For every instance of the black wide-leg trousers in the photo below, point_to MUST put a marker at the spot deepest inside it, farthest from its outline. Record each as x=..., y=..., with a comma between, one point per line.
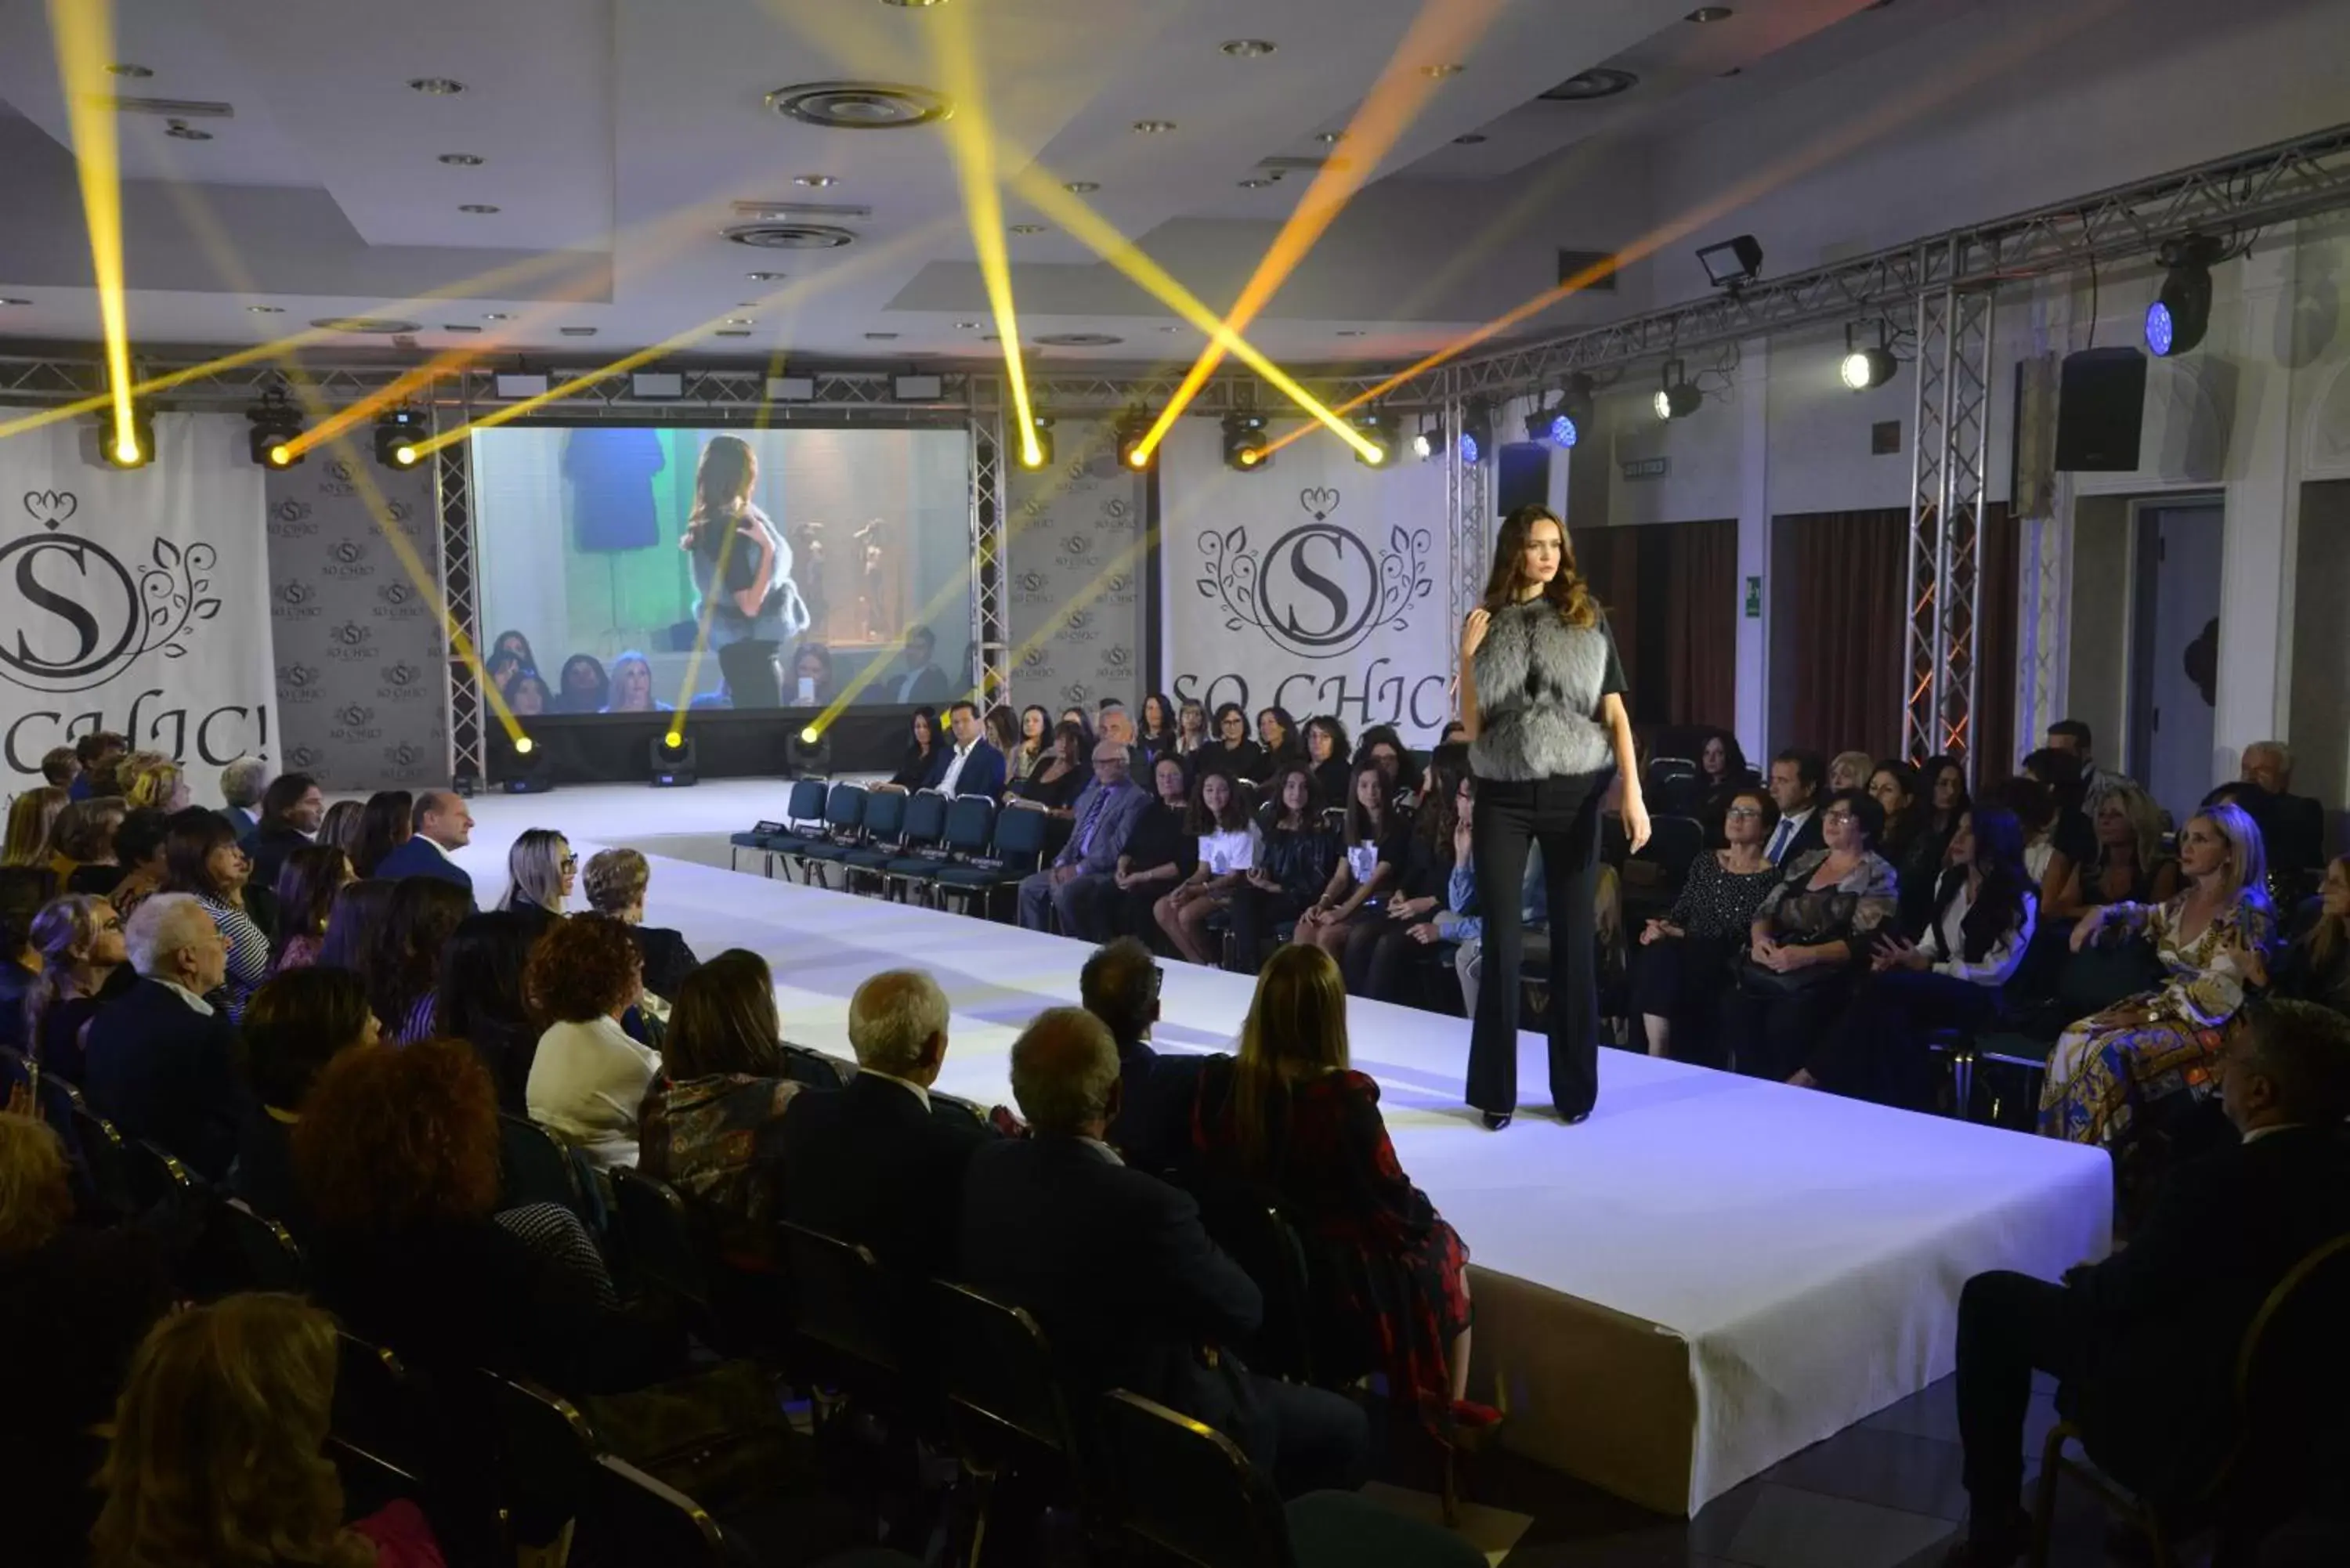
x=1562, y=814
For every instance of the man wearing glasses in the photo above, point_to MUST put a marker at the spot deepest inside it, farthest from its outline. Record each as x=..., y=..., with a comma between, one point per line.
x=1081, y=884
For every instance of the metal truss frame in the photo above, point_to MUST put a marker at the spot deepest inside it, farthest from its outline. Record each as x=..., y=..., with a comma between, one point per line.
x=991, y=626
x=452, y=472
x=1949, y=464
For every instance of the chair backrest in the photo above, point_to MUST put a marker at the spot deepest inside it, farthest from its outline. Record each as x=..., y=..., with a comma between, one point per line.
x=110, y=1163
x=1188, y=1489
x=2293, y=1372
x=843, y=1300
x=926, y=819
x=998, y=1368
x=634, y=1518
x=546, y=1458
x=954, y=1109
x=885, y=817
x=260, y=1250
x=156, y=1173
x=806, y=806
x=1020, y=836
x=382, y=1416
x=1662, y=770
x=843, y=808
x=1253, y=1233
x=537, y=1168
x=1673, y=843
x=660, y=1235
x=970, y=824
x=812, y=1068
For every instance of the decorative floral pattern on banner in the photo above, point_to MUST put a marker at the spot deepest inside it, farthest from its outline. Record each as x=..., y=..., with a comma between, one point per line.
x=127, y=599
x=1310, y=585
x=362, y=677
x=1078, y=550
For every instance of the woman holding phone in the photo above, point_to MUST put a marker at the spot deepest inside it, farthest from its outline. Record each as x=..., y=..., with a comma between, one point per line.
x=742, y=572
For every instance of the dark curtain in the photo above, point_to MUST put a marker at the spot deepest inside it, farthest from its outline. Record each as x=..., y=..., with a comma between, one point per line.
x=1701, y=625
x=1998, y=590
x=1609, y=560
x=1851, y=634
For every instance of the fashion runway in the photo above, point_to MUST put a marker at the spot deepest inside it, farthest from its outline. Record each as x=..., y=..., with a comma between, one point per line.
x=1710, y=1274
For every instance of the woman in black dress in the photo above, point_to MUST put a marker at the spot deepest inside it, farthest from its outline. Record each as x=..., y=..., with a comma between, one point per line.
x=1910, y=841
x=1294, y=862
x=1230, y=752
x=1542, y=691
x=1159, y=855
x=1053, y=783
x=1277, y=733
x=1684, y=962
x=1379, y=843
x=1380, y=952
x=922, y=752
x=1327, y=754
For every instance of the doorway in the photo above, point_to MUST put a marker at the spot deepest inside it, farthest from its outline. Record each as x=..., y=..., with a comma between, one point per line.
x=2175, y=650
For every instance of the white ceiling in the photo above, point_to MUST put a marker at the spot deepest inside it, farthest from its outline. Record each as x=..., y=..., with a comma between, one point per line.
x=617, y=133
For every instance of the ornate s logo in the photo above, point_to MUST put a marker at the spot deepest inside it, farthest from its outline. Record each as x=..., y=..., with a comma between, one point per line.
x=79, y=615
x=395, y=594
x=398, y=511
x=1117, y=658
x=342, y=470
x=348, y=550
x=403, y=674
x=295, y=591
x=297, y=676
x=1116, y=508
x=291, y=511
x=1075, y=693
x=351, y=633
x=1078, y=546
x=1119, y=583
x=1318, y=591
x=403, y=683
x=353, y=715
x=1031, y=582
x=1033, y=659
x=304, y=759
x=1078, y=620
x=402, y=755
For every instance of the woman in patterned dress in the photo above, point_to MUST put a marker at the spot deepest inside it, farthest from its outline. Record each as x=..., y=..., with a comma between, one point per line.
x=2212, y=939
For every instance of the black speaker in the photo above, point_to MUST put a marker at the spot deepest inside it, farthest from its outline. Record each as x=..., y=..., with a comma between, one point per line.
x=2100, y=407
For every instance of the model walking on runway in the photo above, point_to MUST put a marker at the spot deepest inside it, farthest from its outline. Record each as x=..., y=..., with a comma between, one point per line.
x=1542, y=691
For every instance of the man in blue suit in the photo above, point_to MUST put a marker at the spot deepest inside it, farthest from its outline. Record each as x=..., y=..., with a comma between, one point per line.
x=1081, y=883
x=973, y=766
x=442, y=824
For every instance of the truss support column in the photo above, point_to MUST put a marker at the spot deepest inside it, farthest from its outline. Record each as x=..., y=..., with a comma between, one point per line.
x=990, y=629
x=1945, y=557
x=1468, y=503
x=452, y=471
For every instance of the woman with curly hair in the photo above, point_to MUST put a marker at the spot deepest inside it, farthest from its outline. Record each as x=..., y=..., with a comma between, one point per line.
x=1327, y=749
x=307, y=884
x=404, y=982
x=588, y=1078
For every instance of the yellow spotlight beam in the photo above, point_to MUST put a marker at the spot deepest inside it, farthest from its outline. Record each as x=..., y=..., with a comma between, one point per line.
x=1097, y=234
x=1440, y=34
x=84, y=30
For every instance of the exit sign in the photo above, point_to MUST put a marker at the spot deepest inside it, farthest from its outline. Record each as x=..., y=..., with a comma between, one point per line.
x=1645, y=468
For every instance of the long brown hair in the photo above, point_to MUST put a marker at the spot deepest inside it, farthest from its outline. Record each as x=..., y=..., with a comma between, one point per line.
x=722, y=1020
x=1568, y=591
x=2331, y=933
x=1296, y=1028
x=721, y=485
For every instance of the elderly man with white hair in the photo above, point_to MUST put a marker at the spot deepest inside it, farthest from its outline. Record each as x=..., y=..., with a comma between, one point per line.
x=871, y=1164
x=243, y=783
x=1081, y=884
x=161, y=1057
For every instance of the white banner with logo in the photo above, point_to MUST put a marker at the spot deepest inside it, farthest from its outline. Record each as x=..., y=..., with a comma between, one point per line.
x=1077, y=551
x=1315, y=583
x=133, y=600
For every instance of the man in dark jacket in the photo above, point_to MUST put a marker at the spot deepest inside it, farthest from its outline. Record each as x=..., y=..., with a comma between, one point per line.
x=1121, y=1273
x=442, y=822
x=291, y=809
x=970, y=765
x=2144, y=1343
x=161, y=1060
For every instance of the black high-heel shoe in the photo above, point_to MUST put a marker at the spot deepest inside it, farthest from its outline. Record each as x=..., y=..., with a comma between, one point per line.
x=1576, y=1118
x=1496, y=1121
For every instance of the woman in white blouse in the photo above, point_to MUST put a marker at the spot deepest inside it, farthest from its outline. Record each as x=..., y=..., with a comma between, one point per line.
x=1952, y=978
x=587, y=1080
x=1228, y=847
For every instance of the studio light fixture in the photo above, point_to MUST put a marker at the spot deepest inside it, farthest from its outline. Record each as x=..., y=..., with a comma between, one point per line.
x=1563, y=421
x=139, y=449
x=277, y=425
x=1864, y=367
x=1042, y=425
x=1426, y=441
x=1248, y=49
x=1245, y=443
x=1133, y=430
x=1676, y=398
x=1476, y=431
x=1380, y=427
x=674, y=761
x=1734, y=264
x=2182, y=313
x=400, y=438
x=1082, y=187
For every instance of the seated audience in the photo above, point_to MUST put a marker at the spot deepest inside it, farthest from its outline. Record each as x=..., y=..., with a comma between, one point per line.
x=355, y=926
x=921, y=760
x=1290, y=1117
x=2315, y=966
x=1380, y=744
x=588, y=1078
x=60, y=766
x=1080, y=886
x=342, y=826
x=152, y=781
x=1276, y=735
x=1380, y=950
x=1118, y=1268
x=241, y=786
x=81, y=942
x=527, y=694
x=32, y=816
x=1295, y=859
x=1119, y=985
x=24, y=890
x=541, y=872
x=1378, y=845
x=1945, y=782
x=1001, y=725
x=1222, y=846
x=1190, y=727
x=385, y=822
x=1979, y=925
x=617, y=880
x=1914, y=851
x=812, y=683
x=2033, y=807
x=308, y=881
x=75, y=1301
x=140, y=850
x=1721, y=774
x=1054, y=782
x=917, y=678
x=84, y=842
x=1794, y=783
x=967, y=764
x=106, y=775
x=2144, y=1344
x=1811, y=936
x=1848, y=771
x=2072, y=736
x=712, y=1125
x=1328, y=753
x=203, y=860
x=1161, y=854
x=97, y=746
x=403, y=982
x=1155, y=734
x=631, y=688
x=1230, y=750
x=299, y=1022
x=162, y=1058
x=2071, y=841
x=2110, y=1067
x=1038, y=744
x=397, y=1158
x=292, y=809
x=585, y=686
x=2127, y=864
x=1683, y=965
x=440, y=823
x=482, y=1002
x=2294, y=831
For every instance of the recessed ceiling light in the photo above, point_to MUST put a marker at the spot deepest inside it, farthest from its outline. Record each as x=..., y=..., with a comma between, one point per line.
x=816, y=181
x=1082, y=187
x=1171, y=329
x=267, y=309
x=859, y=105
x=1329, y=138
x=1599, y=81
x=765, y=276
x=1438, y=73
x=181, y=131
x=1248, y=49
x=1712, y=13
x=1028, y=228
x=370, y=325
x=731, y=332
x=881, y=337
x=459, y=327
x=1153, y=127
x=1078, y=339
x=497, y=316
x=966, y=326
x=437, y=87
x=914, y=5
x=576, y=331
x=1255, y=183
x=11, y=300
x=462, y=160
x=477, y=207
x=1474, y=139
x=136, y=73
x=1350, y=332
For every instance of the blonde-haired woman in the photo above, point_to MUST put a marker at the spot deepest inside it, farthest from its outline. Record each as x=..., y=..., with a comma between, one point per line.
x=219, y=1457
x=741, y=572
x=541, y=871
x=1850, y=770
x=2213, y=939
x=2129, y=866
x=1290, y=1115
x=32, y=817
x=152, y=780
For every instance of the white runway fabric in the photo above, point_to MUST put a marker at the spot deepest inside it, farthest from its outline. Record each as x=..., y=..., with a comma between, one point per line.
x=1706, y=1276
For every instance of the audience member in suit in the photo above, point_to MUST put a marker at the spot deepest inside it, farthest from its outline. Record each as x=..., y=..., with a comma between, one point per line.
x=442, y=822
x=242, y=783
x=1795, y=780
x=617, y=880
x=1081, y=884
x=298, y=1023
x=2142, y=1344
x=969, y=766
x=1119, y=985
x=482, y=1002
x=589, y=1078
x=202, y=859
x=162, y=1060
x=1118, y=1268
x=80, y=940
x=541, y=872
x=75, y=1301
x=2071, y=735
x=871, y=1165
x=918, y=677
x=292, y=807
x=24, y=890
x=2295, y=825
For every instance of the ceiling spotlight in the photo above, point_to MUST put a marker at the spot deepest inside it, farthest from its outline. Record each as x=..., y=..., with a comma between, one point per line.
x=1476, y=431
x=477, y=208
x=1676, y=398
x=1082, y=187
x=136, y=73
x=816, y=181
x=1028, y=228
x=1438, y=73
x=135, y=451
x=966, y=326
x=1248, y=49
x=1712, y=13
x=1425, y=441
x=437, y=87
x=1563, y=421
x=267, y=309
x=1379, y=426
x=1133, y=427
x=181, y=131
x=1329, y=138
x=1153, y=127
x=738, y=321
x=2182, y=313
x=1862, y=368
x=276, y=424
x=1599, y=81
x=764, y=276
x=400, y=438
x=462, y=160
x=1246, y=444
x=1734, y=264
x=1043, y=426
x=1255, y=183
x=497, y=316
x=12, y=299
x=1474, y=139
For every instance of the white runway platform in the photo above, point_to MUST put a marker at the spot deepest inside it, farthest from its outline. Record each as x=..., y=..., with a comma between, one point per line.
x=1706, y=1276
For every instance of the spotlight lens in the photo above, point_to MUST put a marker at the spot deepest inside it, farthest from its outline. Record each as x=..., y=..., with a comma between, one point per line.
x=1136, y=457
x=523, y=744
x=1468, y=448
x=1420, y=445
x=1563, y=432
x=281, y=454
x=1377, y=455
x=2161, y=332
x=808, y=736
x=1855, y=370
x=1664, y=404
x=405, y=455
x=1249, y=456
x=126, y=450
x=672, y=740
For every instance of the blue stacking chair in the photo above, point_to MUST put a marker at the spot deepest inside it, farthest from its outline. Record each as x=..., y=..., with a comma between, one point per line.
x=1019, y=850
x=885, y=837
x=920, y=842
x=971, y=827
x=844, y=823
x=802, y=823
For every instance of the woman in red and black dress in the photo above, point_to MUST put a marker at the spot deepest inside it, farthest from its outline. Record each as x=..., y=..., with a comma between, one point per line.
x=1288, y=1116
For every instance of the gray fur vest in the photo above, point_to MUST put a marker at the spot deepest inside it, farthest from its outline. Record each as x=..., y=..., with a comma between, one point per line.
x=1538, y=682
